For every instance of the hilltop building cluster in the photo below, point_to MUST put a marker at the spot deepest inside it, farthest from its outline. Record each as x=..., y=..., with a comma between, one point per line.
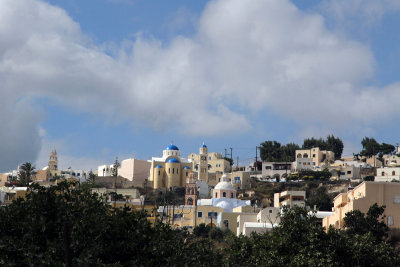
x=213, y=187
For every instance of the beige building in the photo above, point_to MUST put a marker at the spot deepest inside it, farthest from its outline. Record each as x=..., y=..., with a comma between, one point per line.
x=135, y=170
x=391, y=160
x=290, y=199
x=216, y=163
x=387, y=174
x=170, y=170
x=319, y=157
x=364, y=196
x=239, y=179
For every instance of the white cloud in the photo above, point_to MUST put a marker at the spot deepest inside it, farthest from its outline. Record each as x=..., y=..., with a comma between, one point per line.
x=246, y=57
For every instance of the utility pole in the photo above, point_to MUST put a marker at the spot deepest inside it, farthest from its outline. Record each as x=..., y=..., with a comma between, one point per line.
x=237, y=162
x=256, y=165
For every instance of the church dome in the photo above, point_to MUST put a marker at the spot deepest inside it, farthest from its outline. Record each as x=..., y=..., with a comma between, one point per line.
x=186, y=168
x=172, y=161
x=171, y=147
x=158, y=166
x=224, y=186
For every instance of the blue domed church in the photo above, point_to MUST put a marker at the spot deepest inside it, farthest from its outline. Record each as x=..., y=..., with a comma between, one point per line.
x=170, y=170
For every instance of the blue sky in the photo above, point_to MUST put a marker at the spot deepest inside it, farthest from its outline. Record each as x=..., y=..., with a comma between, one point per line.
x=98, y=79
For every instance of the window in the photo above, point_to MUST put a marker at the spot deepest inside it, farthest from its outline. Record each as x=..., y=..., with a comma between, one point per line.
x=159, y=172
x=173, y=170
x=177, y=171
x=393, y=173
x=209, y=158
x=232, y=195
x=169, y=170
x=270, y=211
x=396, y=200
x=223, y=194
x=383, y=173
x=267, y=167
x=390, y=220
x=348, y=172
x=212, y=214
x=199, y=214
x=313, y=155
x=186, y=174
x=216, y=195
x=238, y=224
x=226, y=223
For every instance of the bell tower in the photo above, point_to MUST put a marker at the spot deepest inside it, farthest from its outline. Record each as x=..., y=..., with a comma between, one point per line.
x=53, y=161
x=191, y=191
x=203, y=163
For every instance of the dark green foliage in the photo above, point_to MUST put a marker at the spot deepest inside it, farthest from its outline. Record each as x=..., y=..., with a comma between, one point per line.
x=62, y=225
x=272, y=151
x=369, y=178
x=371, y=147
x=357, y=223
x=320, y=199
x=300, y=240
x=331, y=144
x=26, y=171
x=65, y=226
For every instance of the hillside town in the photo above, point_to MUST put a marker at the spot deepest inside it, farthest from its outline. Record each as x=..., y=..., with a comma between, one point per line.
x=205, y=188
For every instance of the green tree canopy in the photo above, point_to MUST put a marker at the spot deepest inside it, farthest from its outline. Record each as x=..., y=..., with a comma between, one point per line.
x=331, y=143
x=272, y=151
x=26, y=171
x=371, y=147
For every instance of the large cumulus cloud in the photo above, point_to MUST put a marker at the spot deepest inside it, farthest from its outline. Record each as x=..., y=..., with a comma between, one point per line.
x=245, y=58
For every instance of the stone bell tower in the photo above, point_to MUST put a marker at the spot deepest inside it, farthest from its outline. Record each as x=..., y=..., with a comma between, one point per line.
x=53, y=161
x=203, y=163
x=191, y=191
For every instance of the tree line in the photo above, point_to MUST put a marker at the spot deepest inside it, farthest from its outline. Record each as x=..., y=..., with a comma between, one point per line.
x=68, y=226
x=273, y=151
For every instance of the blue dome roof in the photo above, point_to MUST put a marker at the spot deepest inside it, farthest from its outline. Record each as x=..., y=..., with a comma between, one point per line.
x=203, y=145
x=158, y=166
x=173, y=161
x=172, y=147
x=187, y=167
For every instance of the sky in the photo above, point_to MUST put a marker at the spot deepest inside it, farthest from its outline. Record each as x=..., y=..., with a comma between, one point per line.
x=100, y=79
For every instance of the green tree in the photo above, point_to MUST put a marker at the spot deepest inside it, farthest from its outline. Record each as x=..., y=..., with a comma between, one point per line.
x=270, y=151
x=331, y=143
x=359, y=223
x=320, y=199
x=26, y=171
x=115, y=167
x=370, y=147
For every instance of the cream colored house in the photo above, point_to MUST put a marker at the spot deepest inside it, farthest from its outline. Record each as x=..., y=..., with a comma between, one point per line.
x=290, y=199
x=216, y=163
x=319, y=157
x=387, y=174
x=361, y=198
x=135, y=170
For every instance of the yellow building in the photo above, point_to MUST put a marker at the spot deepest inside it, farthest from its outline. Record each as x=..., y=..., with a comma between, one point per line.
x=216, y=163
x=170, y=170
x=364, y=196
x=319, y=157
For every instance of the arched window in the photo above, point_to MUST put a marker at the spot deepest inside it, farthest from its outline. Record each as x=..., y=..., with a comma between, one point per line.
x=159, y=172
x=190, y=201
x=173, y=170
x=169, y=170
x=299, y=155
x=216, y=195
x=383, y=173
x=186, y=174
x=223, y=194
x=226, y=223
x=305, y=155
x=232, y=195
x=393, y=173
